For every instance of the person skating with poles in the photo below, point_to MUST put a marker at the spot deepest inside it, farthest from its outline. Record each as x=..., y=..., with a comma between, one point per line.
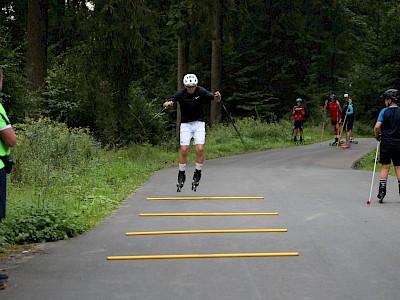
x=333, y=106
x=191, y=100
x=387, y=131
x=298, y=115
x=346, y=98
x=347, y=121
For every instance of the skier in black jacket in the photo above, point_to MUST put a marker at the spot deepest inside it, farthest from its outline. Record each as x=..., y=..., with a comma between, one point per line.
x=191, y=100
x=387, y=131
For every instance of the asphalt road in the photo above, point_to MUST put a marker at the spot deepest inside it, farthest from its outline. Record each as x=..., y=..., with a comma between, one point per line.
x=347, y=250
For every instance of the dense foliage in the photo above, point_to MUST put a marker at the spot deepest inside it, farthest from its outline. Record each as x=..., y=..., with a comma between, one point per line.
x=111, y=63
x=64, y=183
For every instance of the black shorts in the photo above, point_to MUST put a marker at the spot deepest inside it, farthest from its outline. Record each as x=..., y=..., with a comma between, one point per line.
x=349, y=124
x=389, y=154
x=298, y=124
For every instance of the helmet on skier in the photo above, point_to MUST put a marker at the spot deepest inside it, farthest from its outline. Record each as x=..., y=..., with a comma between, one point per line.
x=332, y=97
x=391, y=94
x=299, y=100
x=190, y=80
x=346, y=96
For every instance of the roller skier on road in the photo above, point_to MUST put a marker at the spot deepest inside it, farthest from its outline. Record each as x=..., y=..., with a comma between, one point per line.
x=347, y=119
x=298, y=115
x=387, y=131
x=335, y=111
x=191, y=99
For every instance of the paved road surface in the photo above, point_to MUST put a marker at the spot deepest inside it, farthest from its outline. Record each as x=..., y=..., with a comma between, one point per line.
x=347, y=250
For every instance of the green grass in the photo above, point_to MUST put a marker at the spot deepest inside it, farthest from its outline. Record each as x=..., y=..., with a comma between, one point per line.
x=367, y=163
x=64, y=182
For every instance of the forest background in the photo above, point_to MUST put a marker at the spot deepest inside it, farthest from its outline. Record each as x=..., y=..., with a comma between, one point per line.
x=109, y=64
x=106, y=67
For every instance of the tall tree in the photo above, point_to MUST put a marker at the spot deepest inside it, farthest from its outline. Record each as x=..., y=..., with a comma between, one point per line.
x=37, y=23
x=216, y=59
x=180, y=16
x=122, y=37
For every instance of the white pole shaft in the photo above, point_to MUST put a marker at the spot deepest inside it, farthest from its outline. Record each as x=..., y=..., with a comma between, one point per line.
x=373, y=173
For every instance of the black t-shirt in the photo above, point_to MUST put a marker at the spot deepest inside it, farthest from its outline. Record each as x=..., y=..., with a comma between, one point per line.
x=390, y=128
x=192, y=104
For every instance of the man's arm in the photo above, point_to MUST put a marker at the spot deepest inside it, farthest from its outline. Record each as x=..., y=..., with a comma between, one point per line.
x=8, y=136
x=377, y=130
x=217, y=96
x=173, y=99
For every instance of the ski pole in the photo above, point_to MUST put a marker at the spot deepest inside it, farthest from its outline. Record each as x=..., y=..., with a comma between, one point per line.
x=373, y=174
x=322, y=134
x=344, y=122
x=233, y=123
x=156, y=115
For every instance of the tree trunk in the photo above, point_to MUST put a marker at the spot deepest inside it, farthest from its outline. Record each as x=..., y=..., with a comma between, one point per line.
x=216, y=65
x=58, y=32
x=37, y=44
x=183, y=56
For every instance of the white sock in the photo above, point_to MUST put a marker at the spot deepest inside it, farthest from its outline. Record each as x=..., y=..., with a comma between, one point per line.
x=182, y=167
x=199, y=166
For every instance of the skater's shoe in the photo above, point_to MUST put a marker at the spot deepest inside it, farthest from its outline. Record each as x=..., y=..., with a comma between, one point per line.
x=196, y=179
x=334, y=143
x=345, y=146
x=3, y=280
x=181, y=181
x=301, y=140
x=382, y=192
x=295, y=140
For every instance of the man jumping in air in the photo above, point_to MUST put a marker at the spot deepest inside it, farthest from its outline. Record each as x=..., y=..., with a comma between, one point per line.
x=191, y=100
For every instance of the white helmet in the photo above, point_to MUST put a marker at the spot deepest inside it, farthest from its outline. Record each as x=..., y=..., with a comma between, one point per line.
x=346, y=96
x=190, y=80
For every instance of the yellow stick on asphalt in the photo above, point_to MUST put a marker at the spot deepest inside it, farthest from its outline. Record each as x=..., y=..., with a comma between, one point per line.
x=221, y=255
x=208, y=214
x=203, y=231
x=209, y=198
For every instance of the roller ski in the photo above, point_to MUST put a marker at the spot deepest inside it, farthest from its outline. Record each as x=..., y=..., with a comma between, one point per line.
x=352, y=141
x=297, y=142
x=196, y=180
x=3, y=280
x=336, y=143
x=181, y=181
x=381, y=193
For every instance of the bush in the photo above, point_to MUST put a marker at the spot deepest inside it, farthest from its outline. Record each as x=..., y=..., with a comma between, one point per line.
x=34, y=225
x=41, y=202
x=45, y=147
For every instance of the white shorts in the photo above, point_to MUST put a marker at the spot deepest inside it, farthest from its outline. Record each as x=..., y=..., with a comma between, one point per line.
x=196, y=130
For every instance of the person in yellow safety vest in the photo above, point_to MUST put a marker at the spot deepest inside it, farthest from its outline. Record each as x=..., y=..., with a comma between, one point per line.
x=7, y=140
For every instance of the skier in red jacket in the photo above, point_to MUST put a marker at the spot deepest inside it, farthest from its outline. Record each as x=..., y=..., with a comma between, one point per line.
x=335, y=110
x=298, y=115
